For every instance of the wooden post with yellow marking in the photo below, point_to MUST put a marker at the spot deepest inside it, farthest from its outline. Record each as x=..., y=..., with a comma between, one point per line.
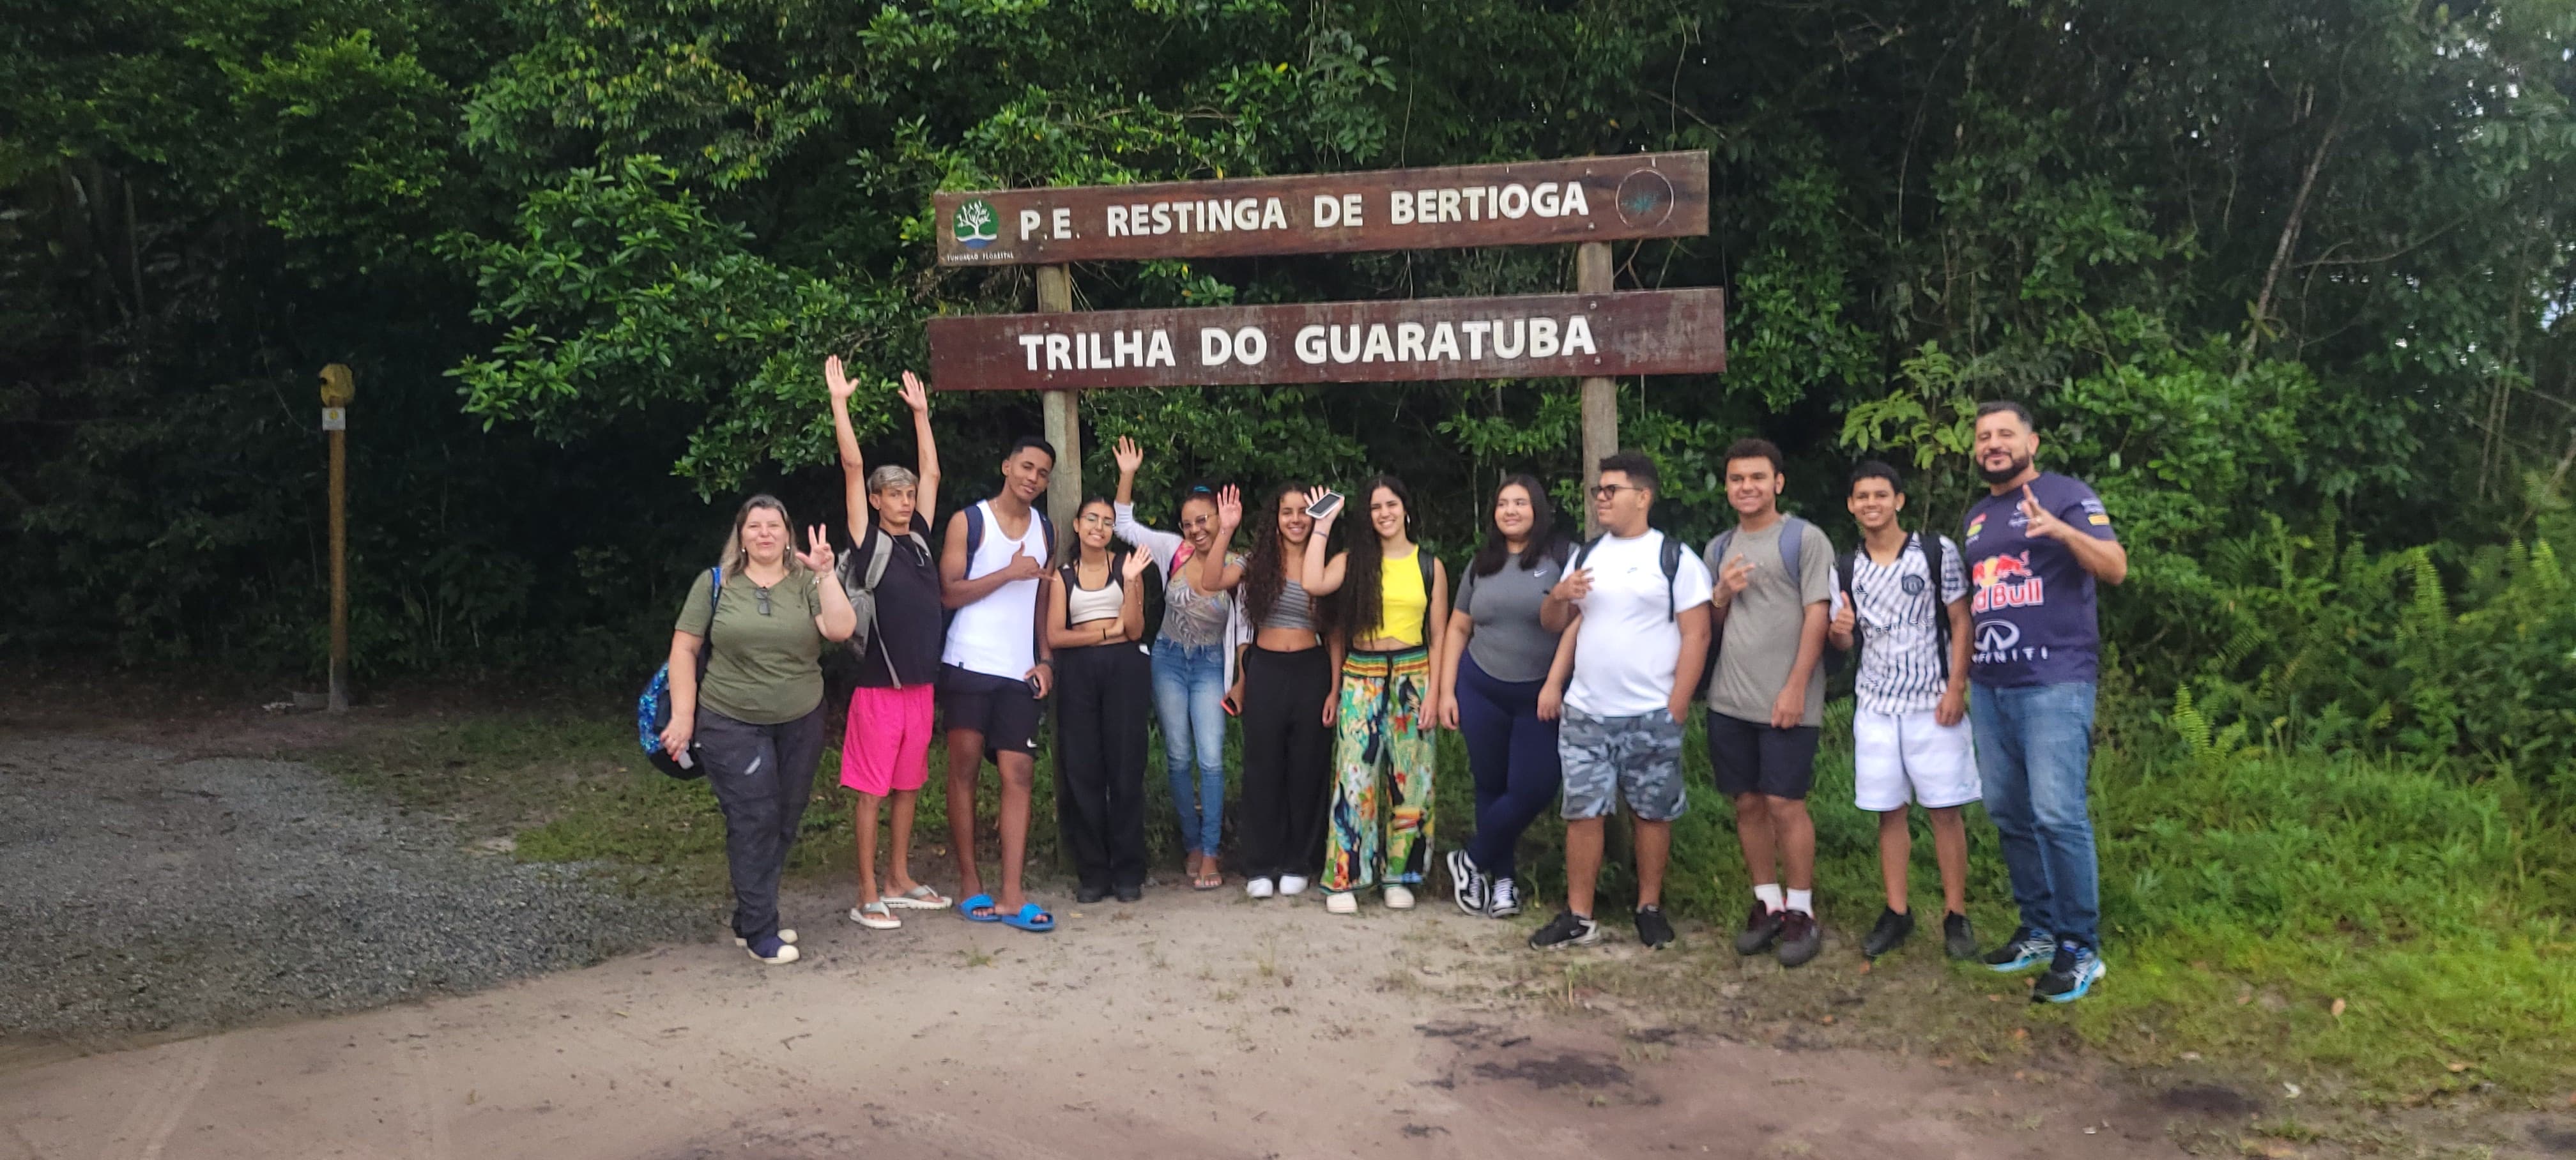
x=338, y=387
x=1063, y=418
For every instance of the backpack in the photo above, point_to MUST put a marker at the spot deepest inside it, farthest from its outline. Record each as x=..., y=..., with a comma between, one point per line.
x=653, y=708
x=1932, y=569
x=860, y=584
x=1793, y=547
x=1670, y=558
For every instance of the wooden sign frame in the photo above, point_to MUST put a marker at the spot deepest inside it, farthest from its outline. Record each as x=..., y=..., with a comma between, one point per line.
x=1582, y=199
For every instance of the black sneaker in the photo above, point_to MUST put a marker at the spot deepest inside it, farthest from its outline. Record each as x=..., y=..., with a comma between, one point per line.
x=1760, y=927
x=1130, y=892
x=1566, y=929
x=1087, y=895
x=1800, y=938
x=1652, y=929
x=1504, y=900
x=1468, y=883
x=2028, y=948
x=1890, y=933
x=2071, y=973
x=1957, y=937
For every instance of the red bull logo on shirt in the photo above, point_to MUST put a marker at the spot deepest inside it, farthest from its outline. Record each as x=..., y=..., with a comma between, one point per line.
x=2004, y=580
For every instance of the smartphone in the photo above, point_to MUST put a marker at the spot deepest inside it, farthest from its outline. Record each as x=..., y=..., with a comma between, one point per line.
x=1231, y=709
x=1332, y=502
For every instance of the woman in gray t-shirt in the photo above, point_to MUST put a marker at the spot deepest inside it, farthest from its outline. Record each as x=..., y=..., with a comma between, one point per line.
x=1502, y=681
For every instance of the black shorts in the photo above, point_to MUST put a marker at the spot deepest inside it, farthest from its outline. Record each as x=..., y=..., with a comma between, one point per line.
x=1755, y=757
x=1001, y=708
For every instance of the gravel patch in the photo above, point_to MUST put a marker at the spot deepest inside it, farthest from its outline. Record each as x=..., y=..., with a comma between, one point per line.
x=142, y=891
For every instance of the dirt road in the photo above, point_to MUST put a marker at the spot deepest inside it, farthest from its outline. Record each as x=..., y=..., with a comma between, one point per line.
x=1186, y=1025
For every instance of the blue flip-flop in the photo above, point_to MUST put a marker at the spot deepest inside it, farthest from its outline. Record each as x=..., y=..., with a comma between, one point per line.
x=1032, y=918
x=981, y=902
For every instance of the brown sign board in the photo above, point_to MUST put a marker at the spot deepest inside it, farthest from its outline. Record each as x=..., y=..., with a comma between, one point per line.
x=1584, y=199
x=1636, y=332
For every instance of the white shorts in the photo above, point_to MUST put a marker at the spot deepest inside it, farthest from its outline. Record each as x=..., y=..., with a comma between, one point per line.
x=1908, y=757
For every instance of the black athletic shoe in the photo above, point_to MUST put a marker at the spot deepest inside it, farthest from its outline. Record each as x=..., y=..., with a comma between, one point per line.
x=1087, y=895
x=1760, y=927
x=1566, y=929
x=2027, y=948
x=2072, y=971
x=1130, y=892
x=1800, y=938
x=1890, y=933
x=1652, y=929
x=1504, y=900
x=1957, y=937
x=1467, y=883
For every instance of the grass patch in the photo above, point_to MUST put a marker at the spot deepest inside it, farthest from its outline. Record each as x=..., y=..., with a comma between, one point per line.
x=2243, y=896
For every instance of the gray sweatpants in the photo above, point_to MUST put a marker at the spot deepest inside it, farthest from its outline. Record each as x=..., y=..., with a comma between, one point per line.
x=762, y=775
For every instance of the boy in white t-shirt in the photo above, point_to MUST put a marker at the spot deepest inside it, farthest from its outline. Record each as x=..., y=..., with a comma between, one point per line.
x=1907, y=616
x=1637, y=606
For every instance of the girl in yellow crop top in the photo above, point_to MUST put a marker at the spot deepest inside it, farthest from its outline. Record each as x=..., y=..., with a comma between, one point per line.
x=1397, y=599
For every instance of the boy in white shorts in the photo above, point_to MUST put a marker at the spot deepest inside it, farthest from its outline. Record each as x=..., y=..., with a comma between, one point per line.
x=1902, y=605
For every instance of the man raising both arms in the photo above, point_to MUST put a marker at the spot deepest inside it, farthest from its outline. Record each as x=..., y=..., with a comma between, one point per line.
x=2036, y=544
x=994, y=670
x=1638, y=609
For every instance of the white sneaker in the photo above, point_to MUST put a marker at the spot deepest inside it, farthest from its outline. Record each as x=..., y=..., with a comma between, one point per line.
x=1399, y=898
x=786, y=954
x=1342, y=902
x=1259, y=888
x=1290, y=886
x=784, y=935
x=1505, y=899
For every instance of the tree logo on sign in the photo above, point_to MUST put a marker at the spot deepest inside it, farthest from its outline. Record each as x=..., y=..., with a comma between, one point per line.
x=976, y=225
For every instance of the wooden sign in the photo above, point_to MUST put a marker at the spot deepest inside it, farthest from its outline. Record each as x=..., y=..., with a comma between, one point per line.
x=1585, y=199
x=1638, y=332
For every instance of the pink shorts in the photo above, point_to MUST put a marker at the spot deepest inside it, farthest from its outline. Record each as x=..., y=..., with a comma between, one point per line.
x=886, y=747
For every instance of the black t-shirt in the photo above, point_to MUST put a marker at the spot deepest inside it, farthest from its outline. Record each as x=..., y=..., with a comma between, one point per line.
x=911, y=626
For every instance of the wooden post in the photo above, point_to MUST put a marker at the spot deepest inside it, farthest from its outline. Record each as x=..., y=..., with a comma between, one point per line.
x=338, y=387
x=1600, y=398
x=1063, y=416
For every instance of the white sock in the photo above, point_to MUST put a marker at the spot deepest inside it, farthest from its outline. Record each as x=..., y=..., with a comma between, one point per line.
x=1803, y=901
x=1769, y=893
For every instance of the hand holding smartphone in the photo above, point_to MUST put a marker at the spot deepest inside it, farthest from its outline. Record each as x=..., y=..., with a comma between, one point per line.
x=1324, y=507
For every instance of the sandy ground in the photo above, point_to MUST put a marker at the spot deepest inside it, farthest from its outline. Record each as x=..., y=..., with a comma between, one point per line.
x=1197, y=1025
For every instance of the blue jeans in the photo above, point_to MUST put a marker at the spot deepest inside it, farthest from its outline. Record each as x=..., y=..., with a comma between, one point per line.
x=1189, y=695
x=2034, y=744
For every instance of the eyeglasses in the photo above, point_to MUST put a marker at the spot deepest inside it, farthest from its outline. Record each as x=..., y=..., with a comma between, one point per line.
x=1096, y=518
x=762, y=595
x=1610, y=490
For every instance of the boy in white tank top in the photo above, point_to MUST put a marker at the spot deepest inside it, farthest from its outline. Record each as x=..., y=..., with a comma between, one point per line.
x=995, y=669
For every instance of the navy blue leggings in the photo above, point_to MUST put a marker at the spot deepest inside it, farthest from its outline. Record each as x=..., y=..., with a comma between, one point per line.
x=1513, y=756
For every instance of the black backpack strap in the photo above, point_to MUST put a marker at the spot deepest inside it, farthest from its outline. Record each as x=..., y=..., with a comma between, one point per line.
x=1940, y=602
x=1584, y=553
x=974, y=533
x=1422, y=556
x=1843, y=572
x=1670, y=556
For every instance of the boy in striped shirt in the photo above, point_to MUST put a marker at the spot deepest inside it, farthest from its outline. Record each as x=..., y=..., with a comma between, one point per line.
x=1903, y=606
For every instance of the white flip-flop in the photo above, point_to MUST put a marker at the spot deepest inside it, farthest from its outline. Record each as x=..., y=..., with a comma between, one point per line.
x=920, y=897
x=875, y=916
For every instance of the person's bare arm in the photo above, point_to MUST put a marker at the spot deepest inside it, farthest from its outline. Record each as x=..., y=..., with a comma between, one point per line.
x=1954, y=698
x=2104, y=558
x=925, y=495
x=955, y=590
x=854, y=466
x=1694, y=622
x=1551, y=696
x=1131, y=607
x=1434, y=629
x=1322, y=574
x=1052, y=616
x=684, y=692
x=1790, y=707
x=1445, y=668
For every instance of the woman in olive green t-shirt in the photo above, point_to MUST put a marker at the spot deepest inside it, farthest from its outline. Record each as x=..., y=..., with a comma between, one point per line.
x=755, y=717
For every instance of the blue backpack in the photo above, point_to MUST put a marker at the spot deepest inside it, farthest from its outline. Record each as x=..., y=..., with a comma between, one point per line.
x=653, y=709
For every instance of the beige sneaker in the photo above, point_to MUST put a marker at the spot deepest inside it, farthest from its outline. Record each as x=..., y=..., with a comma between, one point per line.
x=1342, y=902
x=1399, y=898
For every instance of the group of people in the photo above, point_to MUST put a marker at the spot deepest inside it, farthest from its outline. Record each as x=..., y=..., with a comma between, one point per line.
x=1568, y=668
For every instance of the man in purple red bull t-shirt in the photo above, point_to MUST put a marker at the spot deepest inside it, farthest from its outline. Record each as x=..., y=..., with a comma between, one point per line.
x=2035, y=546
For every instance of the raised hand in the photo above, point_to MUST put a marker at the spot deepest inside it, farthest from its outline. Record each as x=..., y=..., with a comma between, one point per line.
x=1021, y=565
x=1315, y=495
x=1134, y=566
x=819, y=559
x=1732, y=578
x=915, y=395
x=1128, y=455
x=1576, y=585
x=2037, y=521
x=1840, y=627
x=1229, y=509
x=837, y=381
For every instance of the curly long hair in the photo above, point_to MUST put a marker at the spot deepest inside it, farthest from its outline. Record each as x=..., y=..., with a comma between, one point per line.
x=1546, y=540
x=1361, y=574
x=1264, y=575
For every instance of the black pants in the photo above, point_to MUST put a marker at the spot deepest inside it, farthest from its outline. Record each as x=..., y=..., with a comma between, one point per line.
x=1287, y=761
x=1102, y=693
x=762, y=775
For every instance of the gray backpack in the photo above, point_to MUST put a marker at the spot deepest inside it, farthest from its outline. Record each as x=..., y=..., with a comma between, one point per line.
x=860, y=581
